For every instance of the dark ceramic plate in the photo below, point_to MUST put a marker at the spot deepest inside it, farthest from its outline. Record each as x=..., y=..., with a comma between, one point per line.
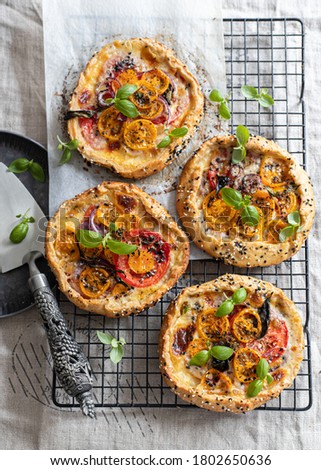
x=15, y=296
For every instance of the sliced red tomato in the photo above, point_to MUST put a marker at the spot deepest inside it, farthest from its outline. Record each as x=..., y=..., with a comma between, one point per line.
x=273, y=344
x=153, y=244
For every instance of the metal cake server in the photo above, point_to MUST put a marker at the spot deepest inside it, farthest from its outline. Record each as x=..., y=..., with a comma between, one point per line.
x=70, y=363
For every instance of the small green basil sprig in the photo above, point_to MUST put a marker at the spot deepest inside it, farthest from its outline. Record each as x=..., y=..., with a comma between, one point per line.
x=242, y=137
x=21, y=165
x=67, y=148
x=122, y=103
x=294, y=226
x=117, y=349
x=90, y=239
x=262, y=373
x=19, y=232
x=174, y=134
x=263, y=97
x=226, y=307
x=249, y=214
x=222, y=353
x=223, y=108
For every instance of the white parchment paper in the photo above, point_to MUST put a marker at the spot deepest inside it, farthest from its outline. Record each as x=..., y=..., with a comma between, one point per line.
x=74, y=30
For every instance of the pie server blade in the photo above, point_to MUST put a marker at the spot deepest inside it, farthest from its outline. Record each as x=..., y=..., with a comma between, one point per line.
x=70, y=363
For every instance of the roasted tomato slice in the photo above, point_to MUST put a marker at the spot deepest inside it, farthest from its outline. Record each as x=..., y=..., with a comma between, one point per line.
x=273, y=344
x=128, y=76
x=265, y=202
x=274, y=171
x=246, y=325
x=216, y=382
x=218, y=214
x=245, y=362
x=93, y=281
x=148, y=264
x=110, y=124
x=181, y=340
x=140, y=134
x=153, y=111
x=197, y=345
x=144, y=96
x=157, y=79
x=66, y=246
x=286, y=202
x=210, y=327
x=274, y=229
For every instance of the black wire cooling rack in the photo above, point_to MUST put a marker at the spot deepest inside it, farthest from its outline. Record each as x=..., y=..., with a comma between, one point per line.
x=262, y=53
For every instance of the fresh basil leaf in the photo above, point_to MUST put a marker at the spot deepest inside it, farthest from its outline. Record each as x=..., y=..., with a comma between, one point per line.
x=116, y=354
x=114, y=343
x=262, y=369
x=88, y=238
x=164, y=143
x=221, y=352
x=246, y=200
x=66, y=156
x=294, y=218
x=250, y=216
x=266, y=100
x=224, y=111
x=242, y=134
x=238, y=154
x=225, y=308
x=239, y=296
x=105, y=338
x=19, y=232
x=29, y=220
x=269, y=379
x=37, y=172
x=120, y=248
x=19, y=166
x=300, y=229
x=179, y=132
x=200, y=358
x=122, y=340
x=232, y=197
x=72, y=144
x=216, y=96
x=286, y=232
x=127, y=108
x=249, y=92
x=109, y=100
x=254, y=388
x=125, y=91
x=264, y=91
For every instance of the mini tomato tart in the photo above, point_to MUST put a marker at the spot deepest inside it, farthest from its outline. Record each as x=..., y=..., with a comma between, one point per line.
x=115, y=250
x=257, y=212
x=231, y=344
x=130, y=98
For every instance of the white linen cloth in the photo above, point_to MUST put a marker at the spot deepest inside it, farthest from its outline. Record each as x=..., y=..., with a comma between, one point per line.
x=28, y=418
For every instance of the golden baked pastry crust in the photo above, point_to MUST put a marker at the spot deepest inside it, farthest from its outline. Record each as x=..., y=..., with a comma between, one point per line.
x=194, y=187
x=186, y=382
x=153, y=218
x=186, y=107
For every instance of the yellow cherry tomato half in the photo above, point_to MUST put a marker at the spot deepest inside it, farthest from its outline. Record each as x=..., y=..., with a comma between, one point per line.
x=66, y=246
x=274, y=171
x=109, y=125
x=153, y=111
x=218, y=214
x=140, y=134
x=128, y=76
x=246, y=325
x=93, y=281
x=216, y=382
x=141, y=261
x=244, y=363
x=144, y=96
x=158, y=79
x=286, y=202
x=273, y=230
x=211, y=327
